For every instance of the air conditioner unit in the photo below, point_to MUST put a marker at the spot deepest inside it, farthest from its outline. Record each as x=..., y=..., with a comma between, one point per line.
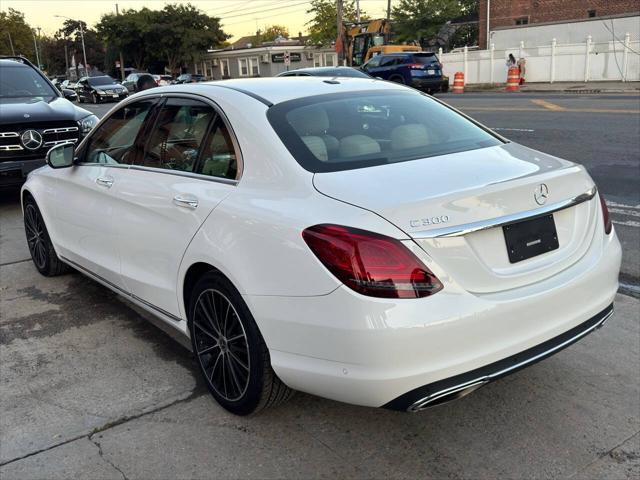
x=309, y=55
x=214, y=62
x=264, y=58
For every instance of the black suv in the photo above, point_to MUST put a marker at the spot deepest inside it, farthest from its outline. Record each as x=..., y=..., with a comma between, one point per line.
x=34, y=116
x=421, y=70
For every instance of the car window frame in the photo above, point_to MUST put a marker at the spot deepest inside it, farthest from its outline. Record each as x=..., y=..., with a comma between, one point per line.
x=219, y=113
x=81, y=151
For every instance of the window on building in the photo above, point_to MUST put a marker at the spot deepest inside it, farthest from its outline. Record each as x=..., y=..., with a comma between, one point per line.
x=592, y=13
x=243, y=67
x=325, y=59
x=254, y=67
x=224, y=68
x=522, y=21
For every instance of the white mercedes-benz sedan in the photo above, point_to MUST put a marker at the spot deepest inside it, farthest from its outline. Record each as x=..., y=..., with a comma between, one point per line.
x=350, y=238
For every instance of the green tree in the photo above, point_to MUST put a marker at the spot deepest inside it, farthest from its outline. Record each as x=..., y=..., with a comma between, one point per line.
x=182, y=33
x=274, y=31
x=15, y=30
x=422, y=19
x=132, y=33
x=322, y=27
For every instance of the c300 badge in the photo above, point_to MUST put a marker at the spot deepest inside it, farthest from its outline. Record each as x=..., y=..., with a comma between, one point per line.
x=427, y=222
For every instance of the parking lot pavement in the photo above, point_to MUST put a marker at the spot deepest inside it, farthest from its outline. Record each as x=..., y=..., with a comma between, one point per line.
x=90, y=389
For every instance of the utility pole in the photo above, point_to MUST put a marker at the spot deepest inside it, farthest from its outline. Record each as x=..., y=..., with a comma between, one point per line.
x=84, y=51
x=13, y=52
x=488, y=30
x=35, y=46
x=388, y=9
x=121, y=57
x=340, y=39
x=66, y=58
x=358, y=11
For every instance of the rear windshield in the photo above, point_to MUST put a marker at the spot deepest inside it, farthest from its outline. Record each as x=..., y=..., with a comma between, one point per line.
x=425, y=57
x=345, y=131
x=95, y=81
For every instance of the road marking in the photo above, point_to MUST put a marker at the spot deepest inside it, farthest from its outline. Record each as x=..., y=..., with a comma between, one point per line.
x=623, y=205
x=525, y=109
x=628, y=223
x=501, y=129
x=624, y=211
x=548, y=105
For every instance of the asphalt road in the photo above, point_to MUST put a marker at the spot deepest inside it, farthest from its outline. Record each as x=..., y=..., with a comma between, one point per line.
x=90, y=389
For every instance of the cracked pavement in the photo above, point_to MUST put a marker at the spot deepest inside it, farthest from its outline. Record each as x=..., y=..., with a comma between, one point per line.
x=91, y=389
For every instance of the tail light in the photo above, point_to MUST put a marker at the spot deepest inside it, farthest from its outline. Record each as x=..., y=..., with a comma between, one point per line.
x=608, y=226
x=416, y=66
x=371, y=264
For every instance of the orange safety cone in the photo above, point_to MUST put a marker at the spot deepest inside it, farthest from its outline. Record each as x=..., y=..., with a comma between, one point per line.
x=513, y=80
x=458, y=82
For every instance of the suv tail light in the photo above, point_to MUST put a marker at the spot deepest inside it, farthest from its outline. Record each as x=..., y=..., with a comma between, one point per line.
x=416, y=66
x=608, y=226
x=370, y=263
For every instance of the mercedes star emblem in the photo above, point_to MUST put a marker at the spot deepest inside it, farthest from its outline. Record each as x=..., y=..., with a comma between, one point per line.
x=31, y=139
x=541, y=194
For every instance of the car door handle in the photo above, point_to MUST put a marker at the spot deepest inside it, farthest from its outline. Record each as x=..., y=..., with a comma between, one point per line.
x=187, y=201
x=105, y=181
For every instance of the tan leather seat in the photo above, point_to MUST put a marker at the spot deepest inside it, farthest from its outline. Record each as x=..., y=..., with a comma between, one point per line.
x=411, y=135
x=356, y=145
x=313, y=121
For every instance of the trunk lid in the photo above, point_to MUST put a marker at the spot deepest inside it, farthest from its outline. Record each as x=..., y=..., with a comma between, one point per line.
x=453, y=192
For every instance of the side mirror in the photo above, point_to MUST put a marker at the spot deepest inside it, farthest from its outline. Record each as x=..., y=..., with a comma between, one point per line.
x=61, y=156
x=69, y=94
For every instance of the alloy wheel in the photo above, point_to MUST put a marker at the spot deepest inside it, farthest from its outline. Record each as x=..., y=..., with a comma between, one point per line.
x=221, y=344
x=36, y=238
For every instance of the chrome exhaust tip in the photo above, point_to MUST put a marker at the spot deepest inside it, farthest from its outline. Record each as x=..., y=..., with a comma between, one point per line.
x=447, y=395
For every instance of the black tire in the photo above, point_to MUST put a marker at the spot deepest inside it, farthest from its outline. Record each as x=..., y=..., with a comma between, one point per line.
x=397, y=79
x=231, y=353
x=41, y=249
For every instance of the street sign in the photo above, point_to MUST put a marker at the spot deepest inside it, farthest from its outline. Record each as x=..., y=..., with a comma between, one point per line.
x=279, y=57
x=117, y=64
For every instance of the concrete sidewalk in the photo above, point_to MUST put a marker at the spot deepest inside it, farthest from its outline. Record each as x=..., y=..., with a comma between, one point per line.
x=565, y=87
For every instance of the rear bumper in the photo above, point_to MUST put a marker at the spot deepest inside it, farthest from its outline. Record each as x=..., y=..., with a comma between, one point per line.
x=14, y=172
x=455, y=387
x=386, y=352
x=434, y=84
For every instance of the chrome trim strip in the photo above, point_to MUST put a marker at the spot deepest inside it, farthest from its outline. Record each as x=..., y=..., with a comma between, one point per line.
x=464, y=229
x=58, y=142
x=197, y=176
x=60, y=130
x=10, y=148
x=424, y=402
x=120, y=291
x=9, y=134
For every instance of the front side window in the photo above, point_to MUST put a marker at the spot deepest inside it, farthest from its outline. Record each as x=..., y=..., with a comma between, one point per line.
x=373, y=63
x=97, y=81
x=243, y=67
x=116, y=140
x=177, y=137
x=344, y=131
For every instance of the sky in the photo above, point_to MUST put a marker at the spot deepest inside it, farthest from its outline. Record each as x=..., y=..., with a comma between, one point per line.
x=239, y=17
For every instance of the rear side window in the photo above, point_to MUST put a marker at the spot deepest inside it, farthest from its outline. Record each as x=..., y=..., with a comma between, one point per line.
x=219, y=156
x=388, y=61
x=344, y=131
x=177, y=137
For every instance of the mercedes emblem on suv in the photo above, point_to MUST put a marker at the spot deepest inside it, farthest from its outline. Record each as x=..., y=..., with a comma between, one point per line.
x=31, y=139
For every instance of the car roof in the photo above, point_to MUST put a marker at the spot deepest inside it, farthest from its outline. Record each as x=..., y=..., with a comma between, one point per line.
x=8, y=62
x=281, y=89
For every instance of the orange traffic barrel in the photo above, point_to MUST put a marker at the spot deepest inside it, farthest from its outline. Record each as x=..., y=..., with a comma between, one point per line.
x=458, y=82
x=513, y=80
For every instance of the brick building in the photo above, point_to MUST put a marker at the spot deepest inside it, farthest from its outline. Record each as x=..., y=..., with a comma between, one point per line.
x=513, y=13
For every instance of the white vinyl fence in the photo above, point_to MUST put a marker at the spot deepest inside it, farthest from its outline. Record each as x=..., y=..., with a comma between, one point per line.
x=579, y=62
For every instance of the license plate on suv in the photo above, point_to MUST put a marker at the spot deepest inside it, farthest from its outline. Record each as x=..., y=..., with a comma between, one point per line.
x=530, y=238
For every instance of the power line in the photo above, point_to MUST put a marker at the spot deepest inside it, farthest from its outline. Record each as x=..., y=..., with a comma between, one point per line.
x=266, y=10
x=224, y=24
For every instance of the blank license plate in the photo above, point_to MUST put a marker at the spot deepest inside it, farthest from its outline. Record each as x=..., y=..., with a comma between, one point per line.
x=530, y=238
x=431, y=72
x=115, y=96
